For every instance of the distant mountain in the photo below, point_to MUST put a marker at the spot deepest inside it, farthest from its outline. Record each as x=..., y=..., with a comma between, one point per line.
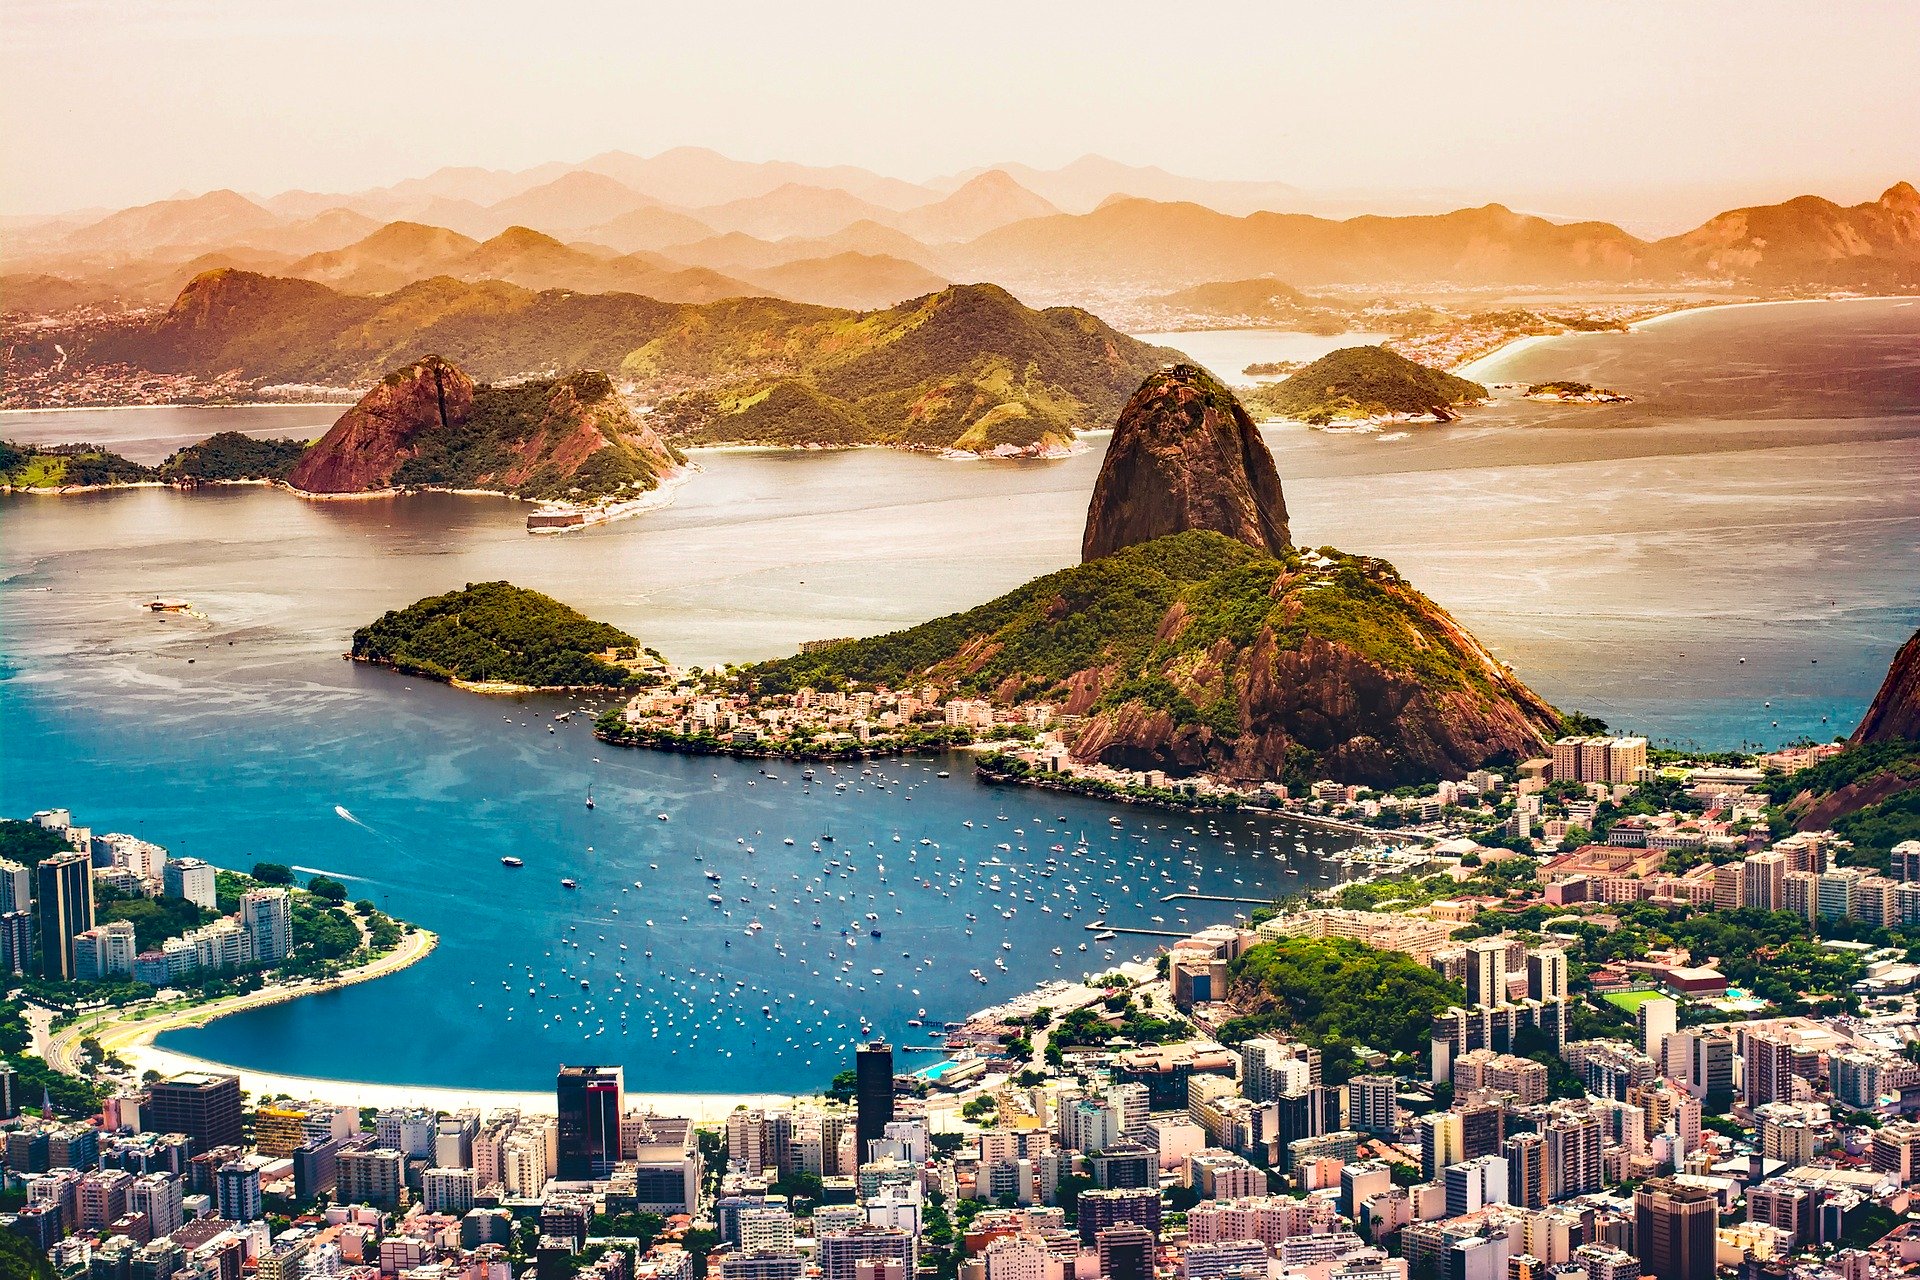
x=570, y=202
x=738, y=251
x=792, y=210
x=1185, y=244
x=428, y=425
x=1364, y=382
x=991, y=200
x=403, y=253
x=1091, y=180
x=857, y=281
x=218, y=217
x=695, y=176
x=395, y=255
x=968, y=367
x=1810, y=240
x=649, y=228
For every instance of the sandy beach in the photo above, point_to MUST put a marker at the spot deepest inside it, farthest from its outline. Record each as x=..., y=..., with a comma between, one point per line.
x=705, y=1108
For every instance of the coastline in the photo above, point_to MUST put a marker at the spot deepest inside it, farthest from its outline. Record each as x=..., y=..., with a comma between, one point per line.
x=1467, y=368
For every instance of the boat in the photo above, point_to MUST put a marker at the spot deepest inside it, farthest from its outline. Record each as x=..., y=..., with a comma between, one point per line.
x=943, y=773
x=1105, y=935
x=511, y=862
x=661, y=816
x=589, y=795
x=568, y=884
x=715, y=899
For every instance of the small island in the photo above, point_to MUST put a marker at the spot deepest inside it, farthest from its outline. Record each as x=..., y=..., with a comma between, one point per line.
x=494, y=637
x=1362, y=386
x=1574, y=393
x=226, y=457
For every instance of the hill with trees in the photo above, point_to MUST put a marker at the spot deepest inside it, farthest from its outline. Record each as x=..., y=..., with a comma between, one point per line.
x=497, y=633
x=229, y=455
x=1357, y=383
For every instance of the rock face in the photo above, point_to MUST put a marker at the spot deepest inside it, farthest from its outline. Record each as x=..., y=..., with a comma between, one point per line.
x=1895, y=713
x=428, y=426
x=371, y=440
x=1184, y=456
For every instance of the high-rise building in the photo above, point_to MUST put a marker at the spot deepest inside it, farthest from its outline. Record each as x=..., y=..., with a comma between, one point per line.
x=16, y=941
x=192, y=879
x=1673, y=1229
x=16, y=886
x=1473, y=1184
x=1547, y=974
x=590, y=1103
x=267, y=916
x=1487, y=971
x=1442, y=1142
x=370, y=1175
x=1099, y=1210
x=873, y=1093
x=9, y=1091
x=840, y=1253
x=1768, y=1073
x=1764, y=881
x=64, y=907
x=1372, y=1104
x=204, y=1107
x=1657, y=1019
x=237, y=1191
x=1526, y=1155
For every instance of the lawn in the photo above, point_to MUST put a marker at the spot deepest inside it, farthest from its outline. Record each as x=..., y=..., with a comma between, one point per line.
x=1631, y=1000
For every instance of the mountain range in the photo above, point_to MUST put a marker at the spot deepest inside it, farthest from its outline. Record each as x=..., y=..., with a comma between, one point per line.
x=1046, y=233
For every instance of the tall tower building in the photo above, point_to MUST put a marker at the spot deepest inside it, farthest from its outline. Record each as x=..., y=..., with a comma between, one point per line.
x=64, y=906
x=590, y=1100
x=1487, y=971
x=1547, y=974
x=1673, y=1229
x=873, y=1093
x=1526, y=1155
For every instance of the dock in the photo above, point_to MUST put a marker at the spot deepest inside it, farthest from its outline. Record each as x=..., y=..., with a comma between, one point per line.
x=1215, y=897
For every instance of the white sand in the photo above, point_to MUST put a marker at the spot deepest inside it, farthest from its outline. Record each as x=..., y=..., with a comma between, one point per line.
x=704, y=1107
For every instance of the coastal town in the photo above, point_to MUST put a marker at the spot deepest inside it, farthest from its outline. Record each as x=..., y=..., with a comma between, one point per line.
x=1597, y=1019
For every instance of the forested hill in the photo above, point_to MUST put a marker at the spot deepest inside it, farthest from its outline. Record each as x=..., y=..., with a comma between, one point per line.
x=1364, y=382
x=495, y=632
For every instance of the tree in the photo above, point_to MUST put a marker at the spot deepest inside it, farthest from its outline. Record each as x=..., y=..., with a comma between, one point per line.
x=327, y=887
x=273, y=873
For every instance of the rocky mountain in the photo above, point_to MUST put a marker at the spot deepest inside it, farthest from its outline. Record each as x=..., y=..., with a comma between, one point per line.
x=391, y=258
x=1811, y=241
x=1358, y=383
x=1184, y=455
x=1090, y=181
x=1895, y=713
x=1195, y=651
x=428, y=425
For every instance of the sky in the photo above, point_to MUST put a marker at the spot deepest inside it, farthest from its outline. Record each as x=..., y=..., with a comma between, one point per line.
x=1649, y=113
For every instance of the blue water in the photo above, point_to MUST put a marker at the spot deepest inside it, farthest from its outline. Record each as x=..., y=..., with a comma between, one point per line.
x=1756, y=502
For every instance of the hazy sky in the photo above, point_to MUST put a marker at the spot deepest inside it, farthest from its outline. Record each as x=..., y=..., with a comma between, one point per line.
x=1625, y=109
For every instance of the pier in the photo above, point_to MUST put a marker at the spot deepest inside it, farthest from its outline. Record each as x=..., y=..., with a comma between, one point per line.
x=1215, y=897
x=1100, y=927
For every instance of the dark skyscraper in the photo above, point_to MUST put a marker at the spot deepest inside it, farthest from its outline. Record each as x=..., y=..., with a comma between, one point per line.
x=873, y=1092
x=204, y=1107
x=1673, y=1229
x=63, y=902
x=590, y=1102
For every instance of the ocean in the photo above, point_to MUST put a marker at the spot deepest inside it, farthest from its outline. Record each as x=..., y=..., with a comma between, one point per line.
x=1755, y=502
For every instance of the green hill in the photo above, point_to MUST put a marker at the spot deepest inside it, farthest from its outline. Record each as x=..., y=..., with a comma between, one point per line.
x=59, y=466
x=1334, y=993
x=1196, y=651
x=229, y=455
x=1364, y=382
x=497, y=632
x=967, y=366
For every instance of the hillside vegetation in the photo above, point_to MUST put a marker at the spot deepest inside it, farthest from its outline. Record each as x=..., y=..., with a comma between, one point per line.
x=59, y=466
x=1334, y=993
x=229, y=455
x=1198, y=651
x=1364, y=382
x=497, y=632
x=969, y=363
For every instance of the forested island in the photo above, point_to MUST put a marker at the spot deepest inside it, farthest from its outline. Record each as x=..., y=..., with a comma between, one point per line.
x=1357, y=384
x=225, y=457
x=495, y=636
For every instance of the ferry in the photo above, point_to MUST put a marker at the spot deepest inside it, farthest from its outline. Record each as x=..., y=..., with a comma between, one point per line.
x=511, y=862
